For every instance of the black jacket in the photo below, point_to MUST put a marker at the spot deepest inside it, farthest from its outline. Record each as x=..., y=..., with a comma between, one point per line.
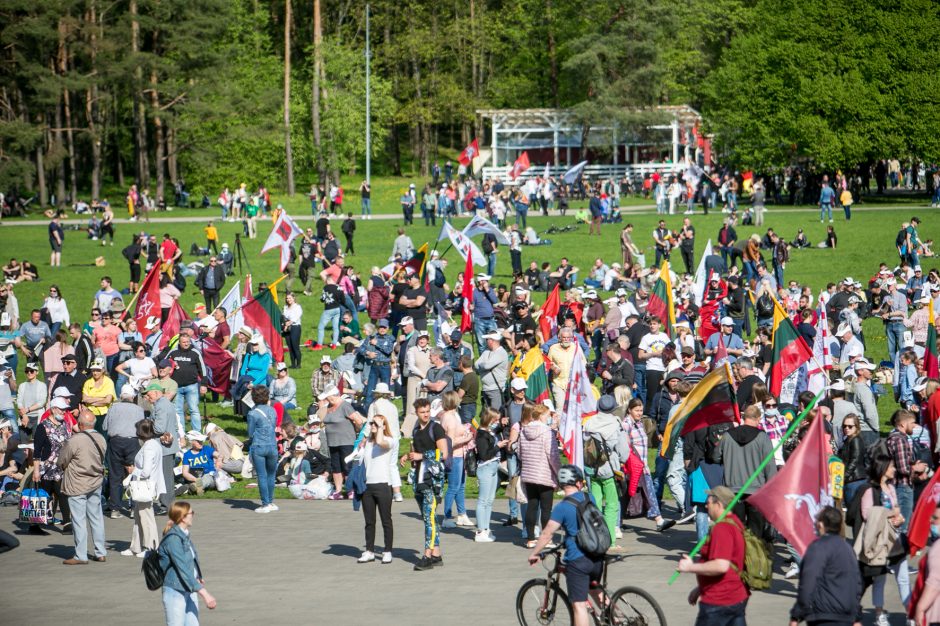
x=855, y=459
x=621, y=373
x=219, y=276
x=486, y=446
x=830, y=583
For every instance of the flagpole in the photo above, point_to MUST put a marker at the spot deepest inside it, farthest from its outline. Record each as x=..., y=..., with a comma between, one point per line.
x=760, y=468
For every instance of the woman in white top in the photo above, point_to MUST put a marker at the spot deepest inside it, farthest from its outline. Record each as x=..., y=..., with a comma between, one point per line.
x=58, y=310
x=382, y=405
x=291, y=317
x=148, y=465
x=650, y=351
x=378, y=447
x=138, y=370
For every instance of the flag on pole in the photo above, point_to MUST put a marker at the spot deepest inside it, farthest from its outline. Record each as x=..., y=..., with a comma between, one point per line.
x=789, y=349
x=284, y=232
x=919, y=529
x=531, y=368
x=469, y=153
x=548, y=319
x=701, y=276
x=466, y=317
x=548, y=171
x=931, y=357
x=171, y=327
x=572, y=174
x=232, y=303
x=660, y=303
x=721, y=352
x=791, y=499
x=479, y=225
x=821, y=362
x=417, y=262
x=147, y=311
x=521, y=165
x=464, y=245
x=263, y=314
x=580, y=404
x=711, y=401
x=218, y=364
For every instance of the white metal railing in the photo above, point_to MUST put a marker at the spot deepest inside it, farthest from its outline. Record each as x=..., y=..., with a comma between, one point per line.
x=636, y=171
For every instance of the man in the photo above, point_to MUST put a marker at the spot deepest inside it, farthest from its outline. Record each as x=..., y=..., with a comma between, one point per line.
x=482, y=307
x=692, y=372
x=98, y=392
x=561, y=356
x=166, y=427
x=468, y=389
x=490, y=248
x=687, y=245
x=664, y=399
x=850, y=346
x=414, y=300
x=82, y=462
x=661, y=239
x=56, y=239
x=780, y=257
x=428, y=448
x=454, y=351
x=35, y=335
x=378, y=355
x=104, y=296
x=720, y=593
x=865, y=404
x=618, y=377
x=907, y=468
x=747, y=377
x=733, y=343
x=189, y=373
x=826, y=198
x=324, y=376
x=83, y=346
x=440, y=377
x=211, y=280
x=493, y=368
x=198, y=467
x=222, y=333
x=727, y=237
x=841, y=408
x=894, y=313
x=606, y=427
x=714, y=264
x=521, y=324
x=120, y=424
x=581, y=570
x=742, y=449
x=349, y=227
x=71, y=381
x=830, y=590
x=515, y=249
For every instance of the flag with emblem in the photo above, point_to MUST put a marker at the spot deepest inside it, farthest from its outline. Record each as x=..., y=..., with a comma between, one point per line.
x=521, y=164
x=147, y=311
x=284, y=232
x=466, y=317
x=469, y=153
x=931, y=361
x=580, y=404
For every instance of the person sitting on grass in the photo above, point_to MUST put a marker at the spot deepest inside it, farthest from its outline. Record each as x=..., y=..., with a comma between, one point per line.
x=198, y=466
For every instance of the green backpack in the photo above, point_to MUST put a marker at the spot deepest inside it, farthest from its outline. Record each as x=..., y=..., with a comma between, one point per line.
x=758, y=565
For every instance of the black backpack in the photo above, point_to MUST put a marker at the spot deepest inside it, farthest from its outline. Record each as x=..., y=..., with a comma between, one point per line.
x=713, y=441
x=593, y=536
x=153, y=573
x=765, y=306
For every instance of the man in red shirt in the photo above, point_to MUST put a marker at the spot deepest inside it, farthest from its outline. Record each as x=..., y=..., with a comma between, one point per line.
x=721, y=594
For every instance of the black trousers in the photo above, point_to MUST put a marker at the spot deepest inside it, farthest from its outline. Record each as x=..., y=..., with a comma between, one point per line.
x=516, y=257
x=121, y=453
x=212, y=299
x=688, y=259
x=349, y=245
x=293, y=344
x=378, y=496
x=753, y=519
x=540, y=503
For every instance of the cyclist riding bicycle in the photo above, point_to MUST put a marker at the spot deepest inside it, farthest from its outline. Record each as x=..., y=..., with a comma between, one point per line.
x=581, y=569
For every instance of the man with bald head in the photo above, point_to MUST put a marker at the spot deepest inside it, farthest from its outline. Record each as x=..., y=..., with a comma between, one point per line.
x=82, y=462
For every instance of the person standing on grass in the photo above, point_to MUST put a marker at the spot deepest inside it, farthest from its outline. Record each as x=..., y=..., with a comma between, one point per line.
x=349, y=230
x=179, y=559
x=82, y=463
x=56, y=239
x=262, y=421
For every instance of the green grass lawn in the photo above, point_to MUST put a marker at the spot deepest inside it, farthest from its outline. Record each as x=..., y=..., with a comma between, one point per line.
x=863, y=242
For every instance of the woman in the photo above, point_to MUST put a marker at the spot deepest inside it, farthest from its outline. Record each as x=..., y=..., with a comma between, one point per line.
x=380, y=453
x=639, y=443
x=488, y=449
x=538, y=456
x=417, y=364
x=58, y=310
x=168, y=294
x=179, y=559
x=51, y=435
x=291, y=319
x=459, y=435
x=772, y=421
x=253, y=371
x=853, y=456
x=283, y=388
x=342, y=422
x=231, y=451
x=378, y=296
x=138, y=370
x=52, y=355
x=831, y=238
x=148, y=465
x=262, y=422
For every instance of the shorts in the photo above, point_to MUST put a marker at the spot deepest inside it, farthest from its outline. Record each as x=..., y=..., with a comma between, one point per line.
x=55, y=245
x=135, y=273
x=579, y=575
x=338, y=456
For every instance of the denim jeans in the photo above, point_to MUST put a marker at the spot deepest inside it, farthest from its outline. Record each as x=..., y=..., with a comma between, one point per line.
x=512, y=467
x=329, y=316
x=366, y=204
x=488, y=477
x=721, y=615
x=180, y=609
x=491, y=263
x=639, y=370
x=778, y=273
x=905, y=503
x=702, y=523
x=378, y=372
x=87, y=507
x=189, y=394
x=265, y=461
x=456, y=483
x=520, y=217
x=825, y=209
x=895, y=332
x=482, y=327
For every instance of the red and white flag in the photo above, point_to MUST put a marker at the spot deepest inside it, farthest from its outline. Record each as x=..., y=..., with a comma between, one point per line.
x=791, y=499
x=822, y=360
x=521, y=165
x=147, y=311
x=580, y=404
x=171, y=327
x=466, y=317
x=285, y=231
x=469, y=153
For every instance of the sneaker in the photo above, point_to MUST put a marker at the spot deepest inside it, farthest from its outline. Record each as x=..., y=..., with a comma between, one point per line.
x=882, y=619
x=398, y=497
x=686, y=516
x=226, y=404
x=316, y=346
x=463, y=520
x=263, y=509
x=449, y=523
x=512, y=521
x=386, y=558
x=424, y=563
x=336, y=495
x=115, y=514
x=128, y=553
x=794, y=572
x=483, y=536
x=618, y=534
x=142, y=555
x=437, y=561
x=350, y=495
x=333, y=346
x=367, y=557
x=665, y=525
x=273, y=507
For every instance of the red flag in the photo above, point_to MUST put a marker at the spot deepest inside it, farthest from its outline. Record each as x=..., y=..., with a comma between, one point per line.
x=918, y=531
x=218, y=365
x=147, y=312
x=469, y=153
x=466, y=318
x=548, y=321
x=171, y=327
x=792, y=498
x=521, y=165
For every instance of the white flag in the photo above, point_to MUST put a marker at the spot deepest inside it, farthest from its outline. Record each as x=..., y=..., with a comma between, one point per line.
x=822, y=360
x=284, y=232
x=233, y=302
x=547, y=173
x=701, y=280
x=580, y=404
x=572, y=174
x=480, y=226
x=464, y=244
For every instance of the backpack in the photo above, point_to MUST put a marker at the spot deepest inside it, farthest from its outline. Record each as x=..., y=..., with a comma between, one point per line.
x=879, y=448
x=758, y=566
x=593, y=536
x=595, y=452
x=764, y=306
x=439, y=278
x=153, y=573
x=713, y=441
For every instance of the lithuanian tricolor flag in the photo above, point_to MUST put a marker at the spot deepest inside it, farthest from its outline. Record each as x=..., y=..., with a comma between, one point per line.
x=711, y=401
x=790, y=350
x=531, y=367
x=661, y=304
x=419, y=261
x=931, y=357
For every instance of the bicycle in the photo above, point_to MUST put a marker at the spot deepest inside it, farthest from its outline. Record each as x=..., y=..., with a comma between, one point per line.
x=542, y=600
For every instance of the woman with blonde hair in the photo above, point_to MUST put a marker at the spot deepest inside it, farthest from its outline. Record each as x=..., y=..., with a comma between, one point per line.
x=179, y=559
x=460, y=436
x=380, y=453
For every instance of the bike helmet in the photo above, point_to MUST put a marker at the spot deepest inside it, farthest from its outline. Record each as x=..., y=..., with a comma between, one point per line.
x=570, y=475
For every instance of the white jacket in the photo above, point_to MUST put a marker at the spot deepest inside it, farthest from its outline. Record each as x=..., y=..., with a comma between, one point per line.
x=148, y=464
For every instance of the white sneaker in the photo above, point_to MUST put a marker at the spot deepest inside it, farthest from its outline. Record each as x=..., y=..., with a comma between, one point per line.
x=464, y=520
x=273, y=507
x=142, y=555
x=263, y=509
x=483, y=536
x=449, y=523
x=367, y=557
x=686, y=516
x=127, y=552
x=794, y=572
x=618, y=533
x=882, y=619
x=398, y=497
x=386, y=558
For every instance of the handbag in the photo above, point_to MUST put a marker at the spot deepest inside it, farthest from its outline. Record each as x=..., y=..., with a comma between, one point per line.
x=512, y=487
x=142, y=490
x=470, y=462
x=35, y=506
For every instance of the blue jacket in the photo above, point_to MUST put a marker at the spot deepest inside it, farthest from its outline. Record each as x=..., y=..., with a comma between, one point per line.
x=384, y=345
x=256, y=366
x=261, y=423
x=830, y=583
x=179, y=559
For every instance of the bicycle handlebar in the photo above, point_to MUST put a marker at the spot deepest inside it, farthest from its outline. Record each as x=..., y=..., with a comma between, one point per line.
x=550, y=551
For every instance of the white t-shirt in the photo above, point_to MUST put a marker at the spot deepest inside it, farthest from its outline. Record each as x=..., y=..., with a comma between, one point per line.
x=140, y=369
x=654, y=343
x=293, y=313
x=378, y=467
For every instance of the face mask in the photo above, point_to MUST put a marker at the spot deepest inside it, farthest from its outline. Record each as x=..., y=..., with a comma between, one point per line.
x=314, y=430
x=934, y=531
x=771, y=412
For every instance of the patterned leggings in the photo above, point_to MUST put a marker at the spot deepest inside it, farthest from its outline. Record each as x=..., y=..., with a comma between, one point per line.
x=428, y=505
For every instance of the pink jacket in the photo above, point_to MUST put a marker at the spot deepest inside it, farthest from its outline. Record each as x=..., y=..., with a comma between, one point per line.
x=538, y=454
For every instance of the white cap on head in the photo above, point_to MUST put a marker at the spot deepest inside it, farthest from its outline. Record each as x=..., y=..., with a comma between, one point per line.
x=59, y=403
x=211, y=427
x=329, y=392
x=62, y=392
x=406, y=320
x=843, y=328
x=495, y=336
x=864, y=364
x=518, y=384
x=838, y=385
x=128, y=391
x=326, y=358
x=195, y=435
x=484, y=277
x=437, y=407
x=727, y=321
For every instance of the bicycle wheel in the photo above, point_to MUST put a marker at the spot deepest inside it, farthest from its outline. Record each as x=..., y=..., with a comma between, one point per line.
x=631, y=606
x=537, y=604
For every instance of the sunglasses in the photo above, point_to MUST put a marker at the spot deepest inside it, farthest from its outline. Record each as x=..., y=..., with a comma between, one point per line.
x=96, y=314
x=847, y=426
x=770, y=405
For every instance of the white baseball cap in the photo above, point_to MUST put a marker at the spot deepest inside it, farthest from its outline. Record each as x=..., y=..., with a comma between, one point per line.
x=518, y=384
x=329, y=392
x=843, y=328
x=727, y=321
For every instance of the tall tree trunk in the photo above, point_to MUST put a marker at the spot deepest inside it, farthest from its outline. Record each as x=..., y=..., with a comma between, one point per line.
x=62, y=59
x=315, y=91
x=59, y=143
x=41, y=169
x=159, y=135
x=287, y=146
x=394, y=150
x=552, y=54
x=172, y=164
x=140, y=113
x=92, y=108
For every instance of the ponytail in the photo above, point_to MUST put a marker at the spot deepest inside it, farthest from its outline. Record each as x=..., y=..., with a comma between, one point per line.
x=175, y=515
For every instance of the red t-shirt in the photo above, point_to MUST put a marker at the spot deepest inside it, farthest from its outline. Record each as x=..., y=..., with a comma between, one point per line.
x=726, y=542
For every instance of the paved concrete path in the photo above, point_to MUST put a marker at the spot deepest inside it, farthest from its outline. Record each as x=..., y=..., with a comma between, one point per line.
x=298, y=566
